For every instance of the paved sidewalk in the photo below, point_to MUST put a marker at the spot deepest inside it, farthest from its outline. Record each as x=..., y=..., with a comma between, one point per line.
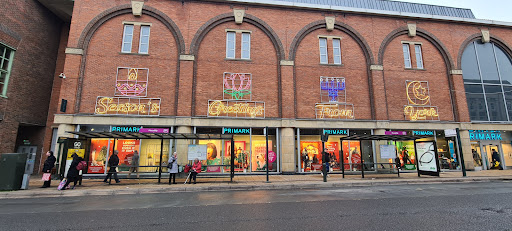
x=249, y=182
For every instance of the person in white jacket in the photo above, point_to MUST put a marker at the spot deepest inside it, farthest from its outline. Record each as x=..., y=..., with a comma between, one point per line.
x=172, y=166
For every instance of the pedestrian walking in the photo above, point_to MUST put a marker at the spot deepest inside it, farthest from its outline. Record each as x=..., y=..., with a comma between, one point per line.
x=196, y=168
x=113, y=162
x=73, y=172
x=49, y=163
x=496, y=160
x=134, y=164
x=172, y=167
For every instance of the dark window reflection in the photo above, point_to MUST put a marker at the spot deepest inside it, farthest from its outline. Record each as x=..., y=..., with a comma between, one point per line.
x=495, y=103
x=470, y=66
x=505, y=66
x=476, y=106
x=487, y=63
x=487, y=99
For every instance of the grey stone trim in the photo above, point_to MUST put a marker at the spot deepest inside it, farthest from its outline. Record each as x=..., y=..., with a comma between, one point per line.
x=187, y=57
x=456, y=72
x=287, y=63
x=74, y=51
x=376, y=67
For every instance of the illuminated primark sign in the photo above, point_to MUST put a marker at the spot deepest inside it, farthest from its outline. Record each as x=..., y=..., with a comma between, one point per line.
x=484, y=135
x=335, y=132
x=124, y=129
x=237, y=131
x=423, y=133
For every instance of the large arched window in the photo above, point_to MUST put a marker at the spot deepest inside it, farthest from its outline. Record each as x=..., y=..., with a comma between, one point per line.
x=487, y=73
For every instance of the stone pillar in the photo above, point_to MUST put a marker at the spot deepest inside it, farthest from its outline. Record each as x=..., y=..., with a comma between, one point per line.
x=288, y=159
x=459, y=96
x=185, y=96
x=182, y=145
x=466, y=149
x=287, y=90
x=378, y=93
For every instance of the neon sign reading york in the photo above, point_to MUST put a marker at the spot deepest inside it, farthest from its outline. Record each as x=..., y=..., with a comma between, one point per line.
x=224, y=108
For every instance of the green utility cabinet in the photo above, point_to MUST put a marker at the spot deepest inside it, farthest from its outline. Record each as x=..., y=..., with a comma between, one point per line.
x=12, y=168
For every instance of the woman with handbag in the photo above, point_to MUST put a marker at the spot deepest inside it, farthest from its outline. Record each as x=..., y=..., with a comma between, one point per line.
x=49, y=163
x=172, y=167
x=73, y=172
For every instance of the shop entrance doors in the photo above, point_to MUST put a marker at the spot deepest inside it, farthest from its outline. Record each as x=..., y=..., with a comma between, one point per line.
x=488, y=149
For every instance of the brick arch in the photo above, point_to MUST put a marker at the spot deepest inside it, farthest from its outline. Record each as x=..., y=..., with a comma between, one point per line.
x=91, y=28
x=337, y=26
x=494, y=39
x=346, y=29
x=421, y=33
x=230, y=17
x=227, y=17
x=437, y=44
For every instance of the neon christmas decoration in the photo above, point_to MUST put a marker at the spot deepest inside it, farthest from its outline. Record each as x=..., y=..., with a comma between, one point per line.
x=418, y=99
x=333, y=88
x=232, y=108
x=131, y=82
x=333, y=100
x=237, y=86
x=127, y=106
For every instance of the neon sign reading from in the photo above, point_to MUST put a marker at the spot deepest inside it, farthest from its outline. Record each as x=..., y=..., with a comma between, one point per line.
x=226, y=108
x=131, y=82
x=334, y=111
x=237, y=86
x=418, y=98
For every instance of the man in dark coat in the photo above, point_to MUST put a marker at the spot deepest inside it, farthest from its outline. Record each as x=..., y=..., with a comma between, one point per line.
x=113, y=162
x=73, y=172
x=49, y=163
x=496, y=160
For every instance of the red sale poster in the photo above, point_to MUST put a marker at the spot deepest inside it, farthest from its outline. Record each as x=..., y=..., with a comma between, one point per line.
x=98, y=156
x=126, y=149
x=333, y=150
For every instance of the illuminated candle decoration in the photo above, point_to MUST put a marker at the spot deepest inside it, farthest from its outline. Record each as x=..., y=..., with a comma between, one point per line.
x=127, y=106
x=231, y=108
x=332, y=89
x=333, y=100
x=418, y=99
x=237, y=86
x=131, y=82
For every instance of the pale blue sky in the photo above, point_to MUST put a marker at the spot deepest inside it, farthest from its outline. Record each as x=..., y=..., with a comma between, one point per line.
x=500, y=10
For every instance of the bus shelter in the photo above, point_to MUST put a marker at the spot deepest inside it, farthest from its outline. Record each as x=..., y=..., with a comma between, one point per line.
x=161, y=136
x=427, y=160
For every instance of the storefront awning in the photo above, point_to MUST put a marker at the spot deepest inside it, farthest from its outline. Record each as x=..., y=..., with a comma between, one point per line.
x=384, y=137
x=136, y=135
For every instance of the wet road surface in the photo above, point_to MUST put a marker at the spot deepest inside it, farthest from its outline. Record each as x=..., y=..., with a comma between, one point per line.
x=469, y=206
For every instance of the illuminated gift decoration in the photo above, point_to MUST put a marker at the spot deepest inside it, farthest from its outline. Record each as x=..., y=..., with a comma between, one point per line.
x=237, y=86
x=333, y=100
x=130, y=90
x=418, y=98
x=227, y=108
x=127, y=106
x=333, y=88
x=132, y=82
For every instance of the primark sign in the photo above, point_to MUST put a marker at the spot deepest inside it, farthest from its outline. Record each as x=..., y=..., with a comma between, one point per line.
x=484, y=135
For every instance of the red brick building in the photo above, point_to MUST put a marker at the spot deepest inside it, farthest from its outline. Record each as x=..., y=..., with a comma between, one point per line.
x=300, y=69
x=30, y=35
